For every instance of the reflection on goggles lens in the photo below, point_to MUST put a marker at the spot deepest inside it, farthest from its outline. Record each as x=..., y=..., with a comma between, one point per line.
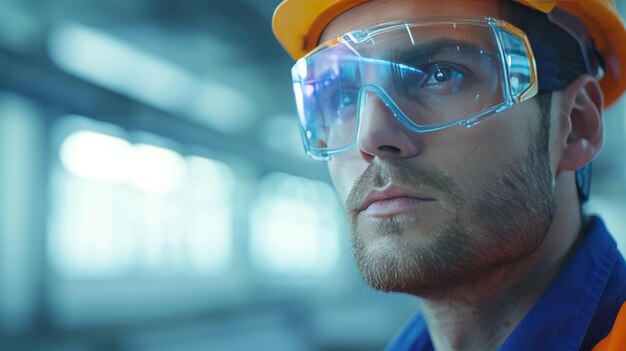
x=430, y=76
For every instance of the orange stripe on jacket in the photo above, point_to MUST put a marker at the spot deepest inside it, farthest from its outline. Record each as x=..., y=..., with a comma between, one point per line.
x=616, y=340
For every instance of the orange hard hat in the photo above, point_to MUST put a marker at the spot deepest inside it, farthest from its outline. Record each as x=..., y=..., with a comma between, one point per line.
x=298, y=25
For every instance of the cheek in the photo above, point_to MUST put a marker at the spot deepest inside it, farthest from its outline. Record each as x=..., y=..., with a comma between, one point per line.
x=476, y=155
x=344, y=171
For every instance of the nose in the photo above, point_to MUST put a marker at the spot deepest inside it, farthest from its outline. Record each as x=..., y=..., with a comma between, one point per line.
x=381, y=135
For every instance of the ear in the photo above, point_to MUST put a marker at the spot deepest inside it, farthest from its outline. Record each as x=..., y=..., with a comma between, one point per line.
x=581, y=114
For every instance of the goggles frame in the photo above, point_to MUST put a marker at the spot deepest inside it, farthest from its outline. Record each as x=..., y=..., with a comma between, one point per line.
x=502, y=32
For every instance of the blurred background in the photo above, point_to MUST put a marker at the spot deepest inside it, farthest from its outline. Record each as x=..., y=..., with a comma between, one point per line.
x=154, y=194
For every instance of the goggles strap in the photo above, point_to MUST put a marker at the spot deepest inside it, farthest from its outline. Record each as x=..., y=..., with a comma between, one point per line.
x=593, y=60
x=559, y=59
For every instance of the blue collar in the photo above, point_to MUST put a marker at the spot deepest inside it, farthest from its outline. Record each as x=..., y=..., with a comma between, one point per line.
x=576, y=312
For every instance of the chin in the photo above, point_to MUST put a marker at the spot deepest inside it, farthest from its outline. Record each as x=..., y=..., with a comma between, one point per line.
x=394, y=256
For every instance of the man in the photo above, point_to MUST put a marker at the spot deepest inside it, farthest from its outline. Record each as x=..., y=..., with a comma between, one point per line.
x=459, y=134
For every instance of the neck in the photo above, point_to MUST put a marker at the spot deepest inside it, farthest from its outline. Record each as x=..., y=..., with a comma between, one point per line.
x=481, y=314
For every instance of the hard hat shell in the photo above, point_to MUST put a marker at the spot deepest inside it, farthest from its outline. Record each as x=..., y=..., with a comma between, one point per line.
x=298, y=25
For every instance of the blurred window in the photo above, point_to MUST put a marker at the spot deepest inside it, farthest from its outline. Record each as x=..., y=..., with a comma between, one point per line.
x=124, y=210
x=295, y=224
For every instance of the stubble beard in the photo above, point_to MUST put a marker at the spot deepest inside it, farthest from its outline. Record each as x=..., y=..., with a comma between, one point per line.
x=507, y=221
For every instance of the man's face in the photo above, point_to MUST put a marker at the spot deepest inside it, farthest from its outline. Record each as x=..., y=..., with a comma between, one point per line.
x=430, y=211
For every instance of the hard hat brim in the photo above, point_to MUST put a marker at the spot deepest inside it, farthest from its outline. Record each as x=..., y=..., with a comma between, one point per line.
x=299, y=24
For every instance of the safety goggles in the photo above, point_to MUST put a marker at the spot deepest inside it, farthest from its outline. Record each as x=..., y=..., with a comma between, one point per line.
x=430, y=75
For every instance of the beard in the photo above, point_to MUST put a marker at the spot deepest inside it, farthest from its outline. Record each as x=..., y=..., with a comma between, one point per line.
x=506, y=221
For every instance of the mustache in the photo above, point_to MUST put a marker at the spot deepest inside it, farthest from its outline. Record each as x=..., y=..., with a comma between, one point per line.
x=378, y=175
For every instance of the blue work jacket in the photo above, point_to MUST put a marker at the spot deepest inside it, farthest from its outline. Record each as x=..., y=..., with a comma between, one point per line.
x=576, y=312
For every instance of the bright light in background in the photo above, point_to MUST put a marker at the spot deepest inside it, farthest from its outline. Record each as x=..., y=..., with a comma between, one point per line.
x=108, y=159
x=122, y=210
x=295, y=226
x=97, y=156
x=107, y=61
x=156, y=169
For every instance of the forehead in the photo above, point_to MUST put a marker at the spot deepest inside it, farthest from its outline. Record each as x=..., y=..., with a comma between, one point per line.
x=382, y=11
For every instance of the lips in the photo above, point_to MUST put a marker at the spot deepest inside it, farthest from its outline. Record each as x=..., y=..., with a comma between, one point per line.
x=392, y=199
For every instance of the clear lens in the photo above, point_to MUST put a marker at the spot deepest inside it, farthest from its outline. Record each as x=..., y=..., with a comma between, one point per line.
x=429, y=75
